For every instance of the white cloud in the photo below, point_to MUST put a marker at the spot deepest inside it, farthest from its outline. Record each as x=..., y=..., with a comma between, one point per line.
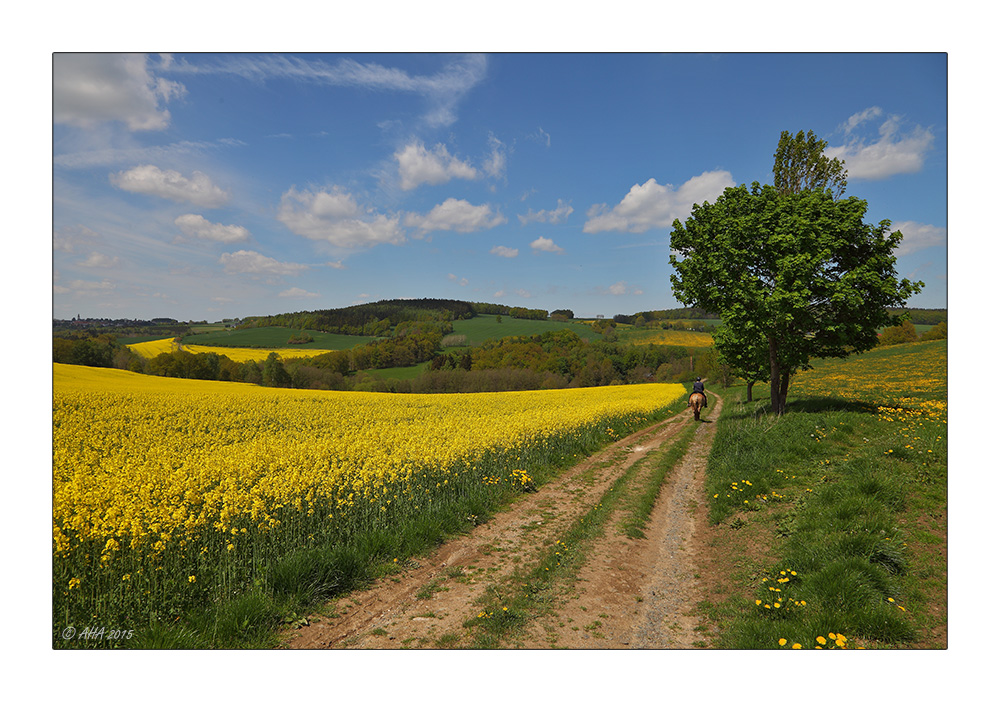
x=297, y=293
x=85, y=288
x=442, y=90
x=859, y=118
x=893, y=153
x=255, y=263
x=195, y=225
x=917, y=236
x=67, y=239
x=621, y=288
x=561, y=212
x=171, y=185
x=495, y=164
x=339, y=265
x=541, y=136
x=99, y=260
x=334, y=216
x=543, y=244
x=167, y=153
x=418, y=166
x=456, y=215
x=461, y=281
x=504, y=252
x=88, y=89
x=654, y=206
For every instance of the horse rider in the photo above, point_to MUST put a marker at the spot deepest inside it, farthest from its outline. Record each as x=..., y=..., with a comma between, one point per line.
x=699, y=387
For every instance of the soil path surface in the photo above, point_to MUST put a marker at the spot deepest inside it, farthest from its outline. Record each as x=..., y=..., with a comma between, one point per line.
x=630, y=592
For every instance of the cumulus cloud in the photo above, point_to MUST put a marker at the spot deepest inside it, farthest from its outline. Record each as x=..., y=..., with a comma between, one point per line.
x=504, y=252
x=543, y=244
x=254, y=263
x=456, y=215
x=171, y=185
x=654, y=206
x=917, y=236
x=196, y=226
x=420, y=166
x=88, y=89
x=335, y=216
x=297, y=294
x=461, y=281
x=99, y=260
x=560, y=213
x=895, y=151
x=621, y=288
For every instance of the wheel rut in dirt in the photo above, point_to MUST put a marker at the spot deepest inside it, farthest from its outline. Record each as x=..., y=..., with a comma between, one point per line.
x=427, y=604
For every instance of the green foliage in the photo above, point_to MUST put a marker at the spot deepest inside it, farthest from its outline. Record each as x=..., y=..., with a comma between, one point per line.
x=801, y=271
x=799, y=164
x=902, y=334
x=99, y=351
x=370, y=319
x=938, y=331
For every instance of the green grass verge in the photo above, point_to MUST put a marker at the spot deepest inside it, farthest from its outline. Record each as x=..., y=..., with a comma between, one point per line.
x=851, y=492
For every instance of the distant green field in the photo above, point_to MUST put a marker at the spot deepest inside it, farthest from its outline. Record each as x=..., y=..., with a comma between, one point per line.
x=275, y=338
x=203, y=328
x=401, y=373
x=479, y=329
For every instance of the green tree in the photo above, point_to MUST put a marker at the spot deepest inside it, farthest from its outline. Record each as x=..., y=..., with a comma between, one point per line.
x=799, y=164
x=938, y=331
x=800, y=270
x=749, y=361
x=903, y=334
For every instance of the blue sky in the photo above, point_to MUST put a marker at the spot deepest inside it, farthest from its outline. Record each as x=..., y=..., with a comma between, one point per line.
x=204, y=186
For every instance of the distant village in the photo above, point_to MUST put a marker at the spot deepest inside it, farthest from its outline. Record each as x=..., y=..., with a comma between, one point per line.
x=79, y=322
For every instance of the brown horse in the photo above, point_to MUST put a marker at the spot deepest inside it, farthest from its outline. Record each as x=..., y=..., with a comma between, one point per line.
x=697, y=403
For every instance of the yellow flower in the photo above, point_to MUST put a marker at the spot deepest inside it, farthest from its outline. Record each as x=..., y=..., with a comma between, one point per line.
x=191, y=578
x=74, y=582
x=797, y=646
x=821, y=640
x=782, y=642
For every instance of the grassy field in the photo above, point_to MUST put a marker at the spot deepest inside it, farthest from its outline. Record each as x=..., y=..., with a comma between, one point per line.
x=831, y=520
x=275, y=338
x=479, y=329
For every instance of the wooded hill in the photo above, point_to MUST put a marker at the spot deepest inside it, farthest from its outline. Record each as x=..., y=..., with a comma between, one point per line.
x=378, y=318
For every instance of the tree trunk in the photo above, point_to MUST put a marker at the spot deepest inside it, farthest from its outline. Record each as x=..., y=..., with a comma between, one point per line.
x=772, y=344
x=785, y=377
x=750, y=390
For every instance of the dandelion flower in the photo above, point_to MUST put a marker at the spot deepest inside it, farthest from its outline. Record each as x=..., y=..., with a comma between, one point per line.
x=782, y=642
x=821, y=640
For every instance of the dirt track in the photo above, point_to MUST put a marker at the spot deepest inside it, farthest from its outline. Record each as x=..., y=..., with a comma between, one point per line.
x=631, y=593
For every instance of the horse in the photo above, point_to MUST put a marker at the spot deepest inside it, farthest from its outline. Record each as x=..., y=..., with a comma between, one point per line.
x=697, y=403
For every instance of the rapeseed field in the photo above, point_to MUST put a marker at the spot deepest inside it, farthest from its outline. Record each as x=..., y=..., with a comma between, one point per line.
x=169, y=492
x=152, y=349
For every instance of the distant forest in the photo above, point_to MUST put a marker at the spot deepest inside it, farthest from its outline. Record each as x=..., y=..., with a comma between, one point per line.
x=378, y=318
